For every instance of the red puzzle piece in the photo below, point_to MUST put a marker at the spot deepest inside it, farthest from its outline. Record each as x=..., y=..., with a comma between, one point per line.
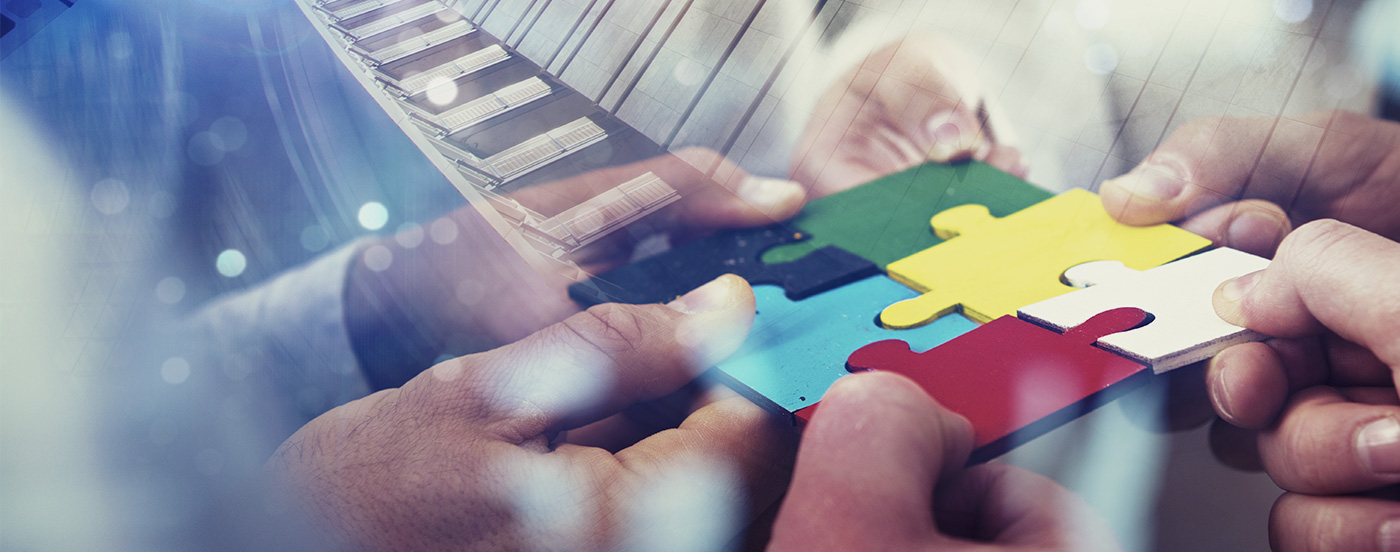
x=1012, y=379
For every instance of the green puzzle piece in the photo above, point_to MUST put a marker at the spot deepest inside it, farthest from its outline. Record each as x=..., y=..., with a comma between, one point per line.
x=888, y=219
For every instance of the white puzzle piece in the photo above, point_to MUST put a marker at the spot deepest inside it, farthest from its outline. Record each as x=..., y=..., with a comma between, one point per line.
x=1185, y=328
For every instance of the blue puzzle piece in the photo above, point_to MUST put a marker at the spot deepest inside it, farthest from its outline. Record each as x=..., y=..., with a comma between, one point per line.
x=797, y=349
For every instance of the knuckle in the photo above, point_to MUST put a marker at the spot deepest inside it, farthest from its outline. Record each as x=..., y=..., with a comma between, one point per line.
x=1316, y=238
x=1307, y=252
x=609, y=328
x=1298, y=471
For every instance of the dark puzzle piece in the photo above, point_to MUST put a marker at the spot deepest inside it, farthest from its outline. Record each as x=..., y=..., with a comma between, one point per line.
x=662, y=278
x=1012, y=379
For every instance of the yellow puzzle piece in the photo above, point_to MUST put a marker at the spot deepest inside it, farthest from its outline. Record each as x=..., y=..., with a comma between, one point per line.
x=990, y=267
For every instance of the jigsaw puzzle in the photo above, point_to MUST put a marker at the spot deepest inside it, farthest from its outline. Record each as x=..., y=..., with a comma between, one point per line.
x=887, y=219
x=797, y=349
x=1178, y=295
x=989, y=267
x=1012, y=379
x=668, y=275
x=818, y=288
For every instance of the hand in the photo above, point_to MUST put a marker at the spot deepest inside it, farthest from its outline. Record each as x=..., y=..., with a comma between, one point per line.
x=881, y=468
x=908, y=103
x=1324, y=394
x=1245, y=182
x=473, y=454
x=458, y=287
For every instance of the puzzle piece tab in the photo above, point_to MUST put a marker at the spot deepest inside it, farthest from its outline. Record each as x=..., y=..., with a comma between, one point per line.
x=797, y=349
x=1012, y=379
x=668, y=275
x=887, y=219
x=1186, y=328
x=990, y=267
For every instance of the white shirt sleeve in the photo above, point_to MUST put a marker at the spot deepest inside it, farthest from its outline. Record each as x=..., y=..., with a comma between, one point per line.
x=287, y=340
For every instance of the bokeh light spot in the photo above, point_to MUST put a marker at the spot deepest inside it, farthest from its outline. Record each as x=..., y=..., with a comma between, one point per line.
x=470, y=292
x=119, y=46
x=314, y=238
x=373, y=215
x=688, y=72
x=1293, y=11
x=204, y=149
x=378, y=258
x=170, y=290
x=1101, y=58
x=441, y=91
x=443, y=231
x=175, y=370
x=228, y=134
x=110, y=196
x=410, y=235
x=231, y=263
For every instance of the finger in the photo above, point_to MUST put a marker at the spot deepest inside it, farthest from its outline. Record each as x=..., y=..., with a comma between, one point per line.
x=598, y=362
x=1325, y=444
x=643, y=420
x=715, y=193
x=1253, y=226
x=1354, y=175
x=1212, y=161
x=869, y=461
x=753, y=444
x=1207, y=162
x=732, y=198
x=1320, y=165
x=906, y=103
x=826, y=130
x=1353, y=365
x=1302, y=523
x=1326, y=274
x=1008, y=506
x=1008, y=159
x=1247, y=384
x=953, y=135
x=692, y=487
x=927, y=90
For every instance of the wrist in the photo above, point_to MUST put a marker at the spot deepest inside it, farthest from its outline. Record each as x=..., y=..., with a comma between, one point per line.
x=391, y=338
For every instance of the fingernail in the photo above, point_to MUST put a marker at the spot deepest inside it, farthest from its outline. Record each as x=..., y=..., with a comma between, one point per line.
x=1154, y=180
x=1378, y=444
x=1235, y=290
x=1389, y=537
x=720, y=315
x=765, y=193
x=1220, y=394
x=1255, y=232
x=950, y=139
x=711, y=297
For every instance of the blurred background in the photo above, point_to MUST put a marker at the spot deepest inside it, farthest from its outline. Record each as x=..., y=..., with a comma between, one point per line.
x=161, y=154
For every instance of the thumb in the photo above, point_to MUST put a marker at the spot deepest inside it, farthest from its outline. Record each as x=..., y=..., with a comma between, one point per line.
x=1327, y=274
x=1206, y=163
x=867, y=467
x=600, y=361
